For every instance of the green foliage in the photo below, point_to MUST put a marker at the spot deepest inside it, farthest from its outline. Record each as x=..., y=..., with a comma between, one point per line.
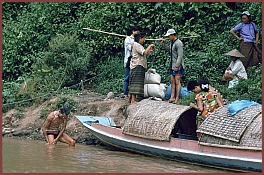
x=19, y=114
x=110, y=76
x=65, y=101
x=65, y=64
x=185, y=100
x=27, y=28
x=45, y=45
x=44, y=112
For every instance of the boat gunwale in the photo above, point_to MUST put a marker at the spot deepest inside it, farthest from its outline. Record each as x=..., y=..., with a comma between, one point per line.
x=181, y=150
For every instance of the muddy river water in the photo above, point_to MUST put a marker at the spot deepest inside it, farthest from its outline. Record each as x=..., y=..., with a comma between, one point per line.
x=33, y=156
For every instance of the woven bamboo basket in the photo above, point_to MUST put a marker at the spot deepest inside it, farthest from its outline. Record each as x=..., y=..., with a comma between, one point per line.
x=152, y=119
x=243, y=129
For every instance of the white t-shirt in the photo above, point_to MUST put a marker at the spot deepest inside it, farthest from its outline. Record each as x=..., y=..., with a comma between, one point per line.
x=238, y=69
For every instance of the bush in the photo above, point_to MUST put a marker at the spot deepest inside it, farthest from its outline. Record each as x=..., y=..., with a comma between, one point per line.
x=65, y=101
x=45, y=45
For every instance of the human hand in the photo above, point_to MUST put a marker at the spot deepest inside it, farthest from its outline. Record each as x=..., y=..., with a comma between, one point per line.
x=162, y=40
x=192, y=105
x=240, y=38
x=151, y=47
x=176, y=68
x=54, y=141
x=256, y=44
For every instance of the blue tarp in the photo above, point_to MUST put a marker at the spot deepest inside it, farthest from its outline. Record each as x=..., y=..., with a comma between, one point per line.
x=238, y=105
x=184, y=92
x=107, y=121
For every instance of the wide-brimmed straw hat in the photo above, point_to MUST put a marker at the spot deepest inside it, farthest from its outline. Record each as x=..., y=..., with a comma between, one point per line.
x=234, y=53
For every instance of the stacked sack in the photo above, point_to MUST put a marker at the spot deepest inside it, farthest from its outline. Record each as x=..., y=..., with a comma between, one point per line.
x=152, y=85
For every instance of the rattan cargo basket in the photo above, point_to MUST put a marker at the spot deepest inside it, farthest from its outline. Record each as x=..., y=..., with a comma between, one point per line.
x=152, y=119
x=243, y=129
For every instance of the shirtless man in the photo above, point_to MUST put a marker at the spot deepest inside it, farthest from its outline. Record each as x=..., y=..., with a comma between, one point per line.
x=51, y=127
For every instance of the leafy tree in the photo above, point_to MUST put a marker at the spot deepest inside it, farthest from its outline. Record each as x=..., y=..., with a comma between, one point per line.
x=45, y=41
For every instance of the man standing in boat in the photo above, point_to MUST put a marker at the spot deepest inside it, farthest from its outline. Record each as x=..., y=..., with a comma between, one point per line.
x=51, y=125
x=176, y=64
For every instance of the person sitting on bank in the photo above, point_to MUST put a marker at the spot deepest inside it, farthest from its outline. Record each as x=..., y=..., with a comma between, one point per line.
x=207, y=102
x=51, y=125
x=236, y=69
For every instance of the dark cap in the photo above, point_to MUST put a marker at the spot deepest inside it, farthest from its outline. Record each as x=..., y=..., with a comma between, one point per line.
x=65, y=110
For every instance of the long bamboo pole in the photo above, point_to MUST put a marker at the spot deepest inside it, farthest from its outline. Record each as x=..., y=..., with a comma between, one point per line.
x=150, y=39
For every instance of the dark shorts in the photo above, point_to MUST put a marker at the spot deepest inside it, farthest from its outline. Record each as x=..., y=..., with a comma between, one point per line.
x=180, y=72
x=53, y=132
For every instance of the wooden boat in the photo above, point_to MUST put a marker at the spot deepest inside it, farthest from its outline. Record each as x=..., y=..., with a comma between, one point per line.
x=168, y=131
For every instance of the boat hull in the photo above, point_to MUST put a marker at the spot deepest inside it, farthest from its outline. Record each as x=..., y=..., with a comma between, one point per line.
x=188, y=151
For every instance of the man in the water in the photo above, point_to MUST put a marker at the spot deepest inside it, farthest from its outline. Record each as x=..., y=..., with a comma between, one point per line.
x=51, y=130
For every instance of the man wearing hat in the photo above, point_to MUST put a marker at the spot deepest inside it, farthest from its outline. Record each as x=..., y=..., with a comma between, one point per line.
x=176, y=64
x=51, y=125
x=248, y=37
x=236, y=68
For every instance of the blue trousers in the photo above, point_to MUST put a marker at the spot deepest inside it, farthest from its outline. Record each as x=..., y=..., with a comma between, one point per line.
x=126, y=80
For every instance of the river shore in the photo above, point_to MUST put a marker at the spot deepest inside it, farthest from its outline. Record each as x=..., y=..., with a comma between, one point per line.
x=28, y=125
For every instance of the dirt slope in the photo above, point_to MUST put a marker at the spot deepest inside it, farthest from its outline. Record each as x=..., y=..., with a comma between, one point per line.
x=29, y=124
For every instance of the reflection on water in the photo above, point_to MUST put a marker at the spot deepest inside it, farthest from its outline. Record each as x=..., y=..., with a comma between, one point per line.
x=34, y=156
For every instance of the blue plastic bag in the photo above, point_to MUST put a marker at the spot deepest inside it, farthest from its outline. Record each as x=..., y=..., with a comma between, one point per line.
x=238, y=105
x=184, y=92
x=233, y=82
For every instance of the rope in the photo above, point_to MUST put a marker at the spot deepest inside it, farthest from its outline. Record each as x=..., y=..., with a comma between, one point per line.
x=26, y=100
x=82, y=81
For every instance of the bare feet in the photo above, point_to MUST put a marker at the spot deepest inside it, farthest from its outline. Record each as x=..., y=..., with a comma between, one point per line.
x=171, y=100
x=176, y=100
x=134, y=102
x=129, y=99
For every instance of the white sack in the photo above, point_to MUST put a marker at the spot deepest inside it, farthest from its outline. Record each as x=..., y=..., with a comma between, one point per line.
x=152, y=77
x=155, y=90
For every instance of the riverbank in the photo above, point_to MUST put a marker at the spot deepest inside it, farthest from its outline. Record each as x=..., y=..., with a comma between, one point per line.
x=28, y=125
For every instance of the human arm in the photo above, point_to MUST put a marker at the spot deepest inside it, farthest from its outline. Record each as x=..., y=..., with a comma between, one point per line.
x=235, y=35
x=256, y=31
x=179, y=47
x=129, y=44
x=257, y=39
x=61, y=131
x=149, y=49
x=162, y=40
x=228, y=70
x=46, y=126
x=235, y=29
x=219, y=102
x=198, y=107
x=236, y=67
